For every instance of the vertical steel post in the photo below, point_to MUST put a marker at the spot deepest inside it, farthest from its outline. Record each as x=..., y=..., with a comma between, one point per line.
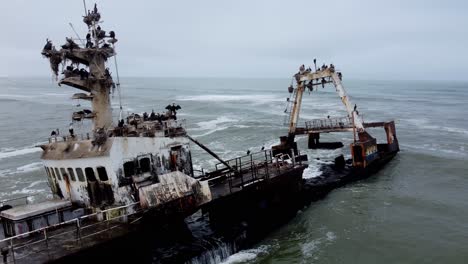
x=354, y=129
x=12, y=250
x=293, y=158
x=47, y=243
x=78, y=230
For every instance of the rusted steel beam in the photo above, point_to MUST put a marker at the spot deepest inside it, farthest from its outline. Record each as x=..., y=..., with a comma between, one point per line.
x=205, y=148
x=346, y=128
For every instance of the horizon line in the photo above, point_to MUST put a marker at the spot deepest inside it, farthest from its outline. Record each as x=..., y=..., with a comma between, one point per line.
x=236, y=77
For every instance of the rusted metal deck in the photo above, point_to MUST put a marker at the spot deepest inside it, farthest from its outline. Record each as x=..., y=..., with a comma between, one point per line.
x=53, y=242
x=250, y=170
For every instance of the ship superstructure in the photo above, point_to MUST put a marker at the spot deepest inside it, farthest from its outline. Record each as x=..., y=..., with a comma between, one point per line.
x=105, y=180
x=365, y=151
x=108, y=165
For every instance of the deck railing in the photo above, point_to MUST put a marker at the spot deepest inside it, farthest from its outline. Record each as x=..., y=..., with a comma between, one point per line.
x=329, y=123
x=84, y=136
x=168, y=128
x=252, y=168
x=52, y=241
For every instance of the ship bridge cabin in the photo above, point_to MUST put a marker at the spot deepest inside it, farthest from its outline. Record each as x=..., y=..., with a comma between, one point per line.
x=103, y=169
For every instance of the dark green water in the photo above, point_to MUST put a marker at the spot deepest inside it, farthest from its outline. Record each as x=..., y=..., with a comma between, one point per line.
x=413, y=211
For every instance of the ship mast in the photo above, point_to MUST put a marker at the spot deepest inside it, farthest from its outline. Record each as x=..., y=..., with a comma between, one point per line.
x=97, y=80
x=308, y=79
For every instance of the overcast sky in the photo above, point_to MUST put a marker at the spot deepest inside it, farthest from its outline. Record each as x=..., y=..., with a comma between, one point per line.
x=368, y=39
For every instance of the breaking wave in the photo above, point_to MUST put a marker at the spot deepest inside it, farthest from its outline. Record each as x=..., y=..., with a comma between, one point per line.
x=311, y=172
x=218, y=124
x=31, y=189
x=212, y=124
x=23, y=169
x=246, y=255
x=8, y=153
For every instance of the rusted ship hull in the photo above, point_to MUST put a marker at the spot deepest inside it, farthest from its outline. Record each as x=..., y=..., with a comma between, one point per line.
x=282, y=190
x=241, y=220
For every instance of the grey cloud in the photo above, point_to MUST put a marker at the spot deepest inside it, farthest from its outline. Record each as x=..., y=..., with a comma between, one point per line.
x=366, y=39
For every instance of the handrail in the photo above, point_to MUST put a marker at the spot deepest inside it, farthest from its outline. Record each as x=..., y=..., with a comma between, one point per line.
x=59, y=138
x=74, y=220
x=169, y=127
x=78, y=238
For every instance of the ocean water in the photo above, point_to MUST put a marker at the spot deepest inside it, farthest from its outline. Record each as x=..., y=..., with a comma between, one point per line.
x=413, y=211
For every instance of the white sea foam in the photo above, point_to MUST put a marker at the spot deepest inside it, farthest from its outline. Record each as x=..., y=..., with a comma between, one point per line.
x=427, y=124
x=18, y=152
x=212, y=124
x=56, y=94
x=246, y=255
x=330, y=236
x=16, y=96
x=218, y=124
x=211, y=131
x=30, y=167
x=309, y=248
x=22, y=169
x=5, y=172
x=256, y=98
x=311, y=172
x=30, y=189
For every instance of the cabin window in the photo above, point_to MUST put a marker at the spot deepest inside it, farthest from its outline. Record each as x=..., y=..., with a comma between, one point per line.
x=72, y=174
x=145, y=165
x=102, y=173
x=90, y=174
x=63, y=172
x=57, y=174
x=80, y=175
x=129, y=169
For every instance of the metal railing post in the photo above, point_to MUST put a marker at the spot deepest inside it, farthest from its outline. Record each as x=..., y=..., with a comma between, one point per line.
x=47, y=243
x=78, y=230
x=12, y=250
x=252, y=167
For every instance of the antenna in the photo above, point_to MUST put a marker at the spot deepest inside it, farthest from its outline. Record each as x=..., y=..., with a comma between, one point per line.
x=118, y=83
x=78, y=36
x=85, y=9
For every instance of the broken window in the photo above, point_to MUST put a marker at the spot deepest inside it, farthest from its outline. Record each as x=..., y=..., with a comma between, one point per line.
x=80, y=175
x=129, y=169
x=57, y=174
x=102, y=173
x=145, y=165
x=72, y=174
x=90, y=174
